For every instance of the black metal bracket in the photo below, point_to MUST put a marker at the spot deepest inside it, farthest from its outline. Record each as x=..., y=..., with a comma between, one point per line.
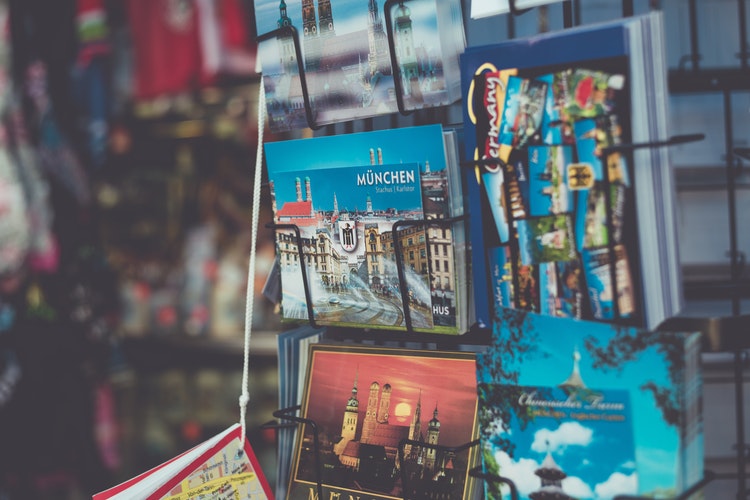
x=398, y=253
x=286, y=414
x=303, y=268
x=438, y=448
x=611, y=244
x=395, y=69
x=400, y=257
x=493, y=478
x=708, y=476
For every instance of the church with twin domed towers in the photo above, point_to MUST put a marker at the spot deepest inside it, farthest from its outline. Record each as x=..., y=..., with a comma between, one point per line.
x=370, y=439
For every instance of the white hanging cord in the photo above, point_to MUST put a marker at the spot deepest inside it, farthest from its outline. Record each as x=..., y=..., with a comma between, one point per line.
x=250, y=294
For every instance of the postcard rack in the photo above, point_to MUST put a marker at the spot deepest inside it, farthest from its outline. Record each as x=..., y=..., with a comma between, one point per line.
x=729, y=334
x=411, y=492
x=723, y=334
x=475, y=335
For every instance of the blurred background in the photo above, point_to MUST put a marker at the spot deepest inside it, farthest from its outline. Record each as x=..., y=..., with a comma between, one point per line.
x=128, y=134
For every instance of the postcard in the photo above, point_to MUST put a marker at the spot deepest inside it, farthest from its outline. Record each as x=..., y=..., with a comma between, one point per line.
x=366, y=401
x=346, y=59
x=346, y=217
x=566, y=439
x=657, y=369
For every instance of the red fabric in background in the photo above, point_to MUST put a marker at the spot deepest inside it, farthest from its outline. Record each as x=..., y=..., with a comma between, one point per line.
x=234, y=24
x=166, y=46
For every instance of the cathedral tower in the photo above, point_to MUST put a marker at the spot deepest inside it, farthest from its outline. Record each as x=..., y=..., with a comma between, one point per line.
x=415, y=428
x=378, y=57
x=308, y=190
x=309, y=21
x=310, y=41
x=284, y=20
x=326, y=18
x=349, y=424
x=407, y=56
x=371, y=415
x=433, y=433
x=385, y=403
x=288, y=57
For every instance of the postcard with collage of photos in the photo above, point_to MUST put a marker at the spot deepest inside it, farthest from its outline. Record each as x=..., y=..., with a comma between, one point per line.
x=549, y=191
x=570, y=196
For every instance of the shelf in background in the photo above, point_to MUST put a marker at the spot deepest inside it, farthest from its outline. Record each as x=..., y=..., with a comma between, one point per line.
x=686, y=81
x=709, y=178
x=154, y=352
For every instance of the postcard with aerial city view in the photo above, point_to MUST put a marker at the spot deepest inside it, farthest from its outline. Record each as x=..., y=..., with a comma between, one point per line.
x=346, y=58
x=392, y=423
x=346, y=192
x=346, y=216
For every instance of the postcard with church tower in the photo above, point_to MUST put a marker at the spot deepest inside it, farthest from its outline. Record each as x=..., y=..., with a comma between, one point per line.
x=564, y=442
x=346, y=58
x=392, y=423
x=359, y=202
x=537, y=355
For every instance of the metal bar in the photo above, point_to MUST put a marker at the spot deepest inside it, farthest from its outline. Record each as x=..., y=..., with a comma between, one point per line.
x=567, y=11
x=715, y=80
x=739, y=402
x=627, y=8
x=286, y=414
x=694, y=51
x=401, y=274
x=743, y=55
x=302, y=266
x=738, y=355
x=731, y=198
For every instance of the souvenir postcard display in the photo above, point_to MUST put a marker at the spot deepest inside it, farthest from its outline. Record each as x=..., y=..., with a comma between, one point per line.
x=346, y=58
x=360, y=202
x=367, y=402
x=293, y=349
x=589, y=410
x=571, y=226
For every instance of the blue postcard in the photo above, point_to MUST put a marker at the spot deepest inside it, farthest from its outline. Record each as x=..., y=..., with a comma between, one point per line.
x=597, y=270
x=353, y=189
x=548, y=180
x=659, y=371
x=523, y=111
x=502, y=276
x=565, y=439
x=346, y=218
